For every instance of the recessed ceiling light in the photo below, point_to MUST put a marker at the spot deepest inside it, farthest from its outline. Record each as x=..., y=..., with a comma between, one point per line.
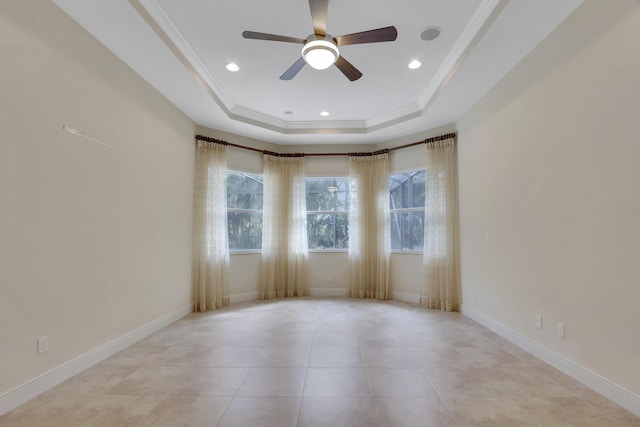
x=415, y=64
x=232, y=67
x=324, y=113
x=430, y=33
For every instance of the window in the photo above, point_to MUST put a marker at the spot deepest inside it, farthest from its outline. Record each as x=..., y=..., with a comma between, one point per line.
x=407, y=210
x=244, y=211
x=328, y=213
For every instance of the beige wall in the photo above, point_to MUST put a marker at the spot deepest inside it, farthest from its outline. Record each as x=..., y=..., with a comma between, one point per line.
x=406, y=274
x=94, y=241
x=548, y=165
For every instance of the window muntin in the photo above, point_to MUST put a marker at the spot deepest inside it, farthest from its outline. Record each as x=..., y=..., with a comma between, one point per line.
x=244, y=211
x=327, y=213
x=407, y=198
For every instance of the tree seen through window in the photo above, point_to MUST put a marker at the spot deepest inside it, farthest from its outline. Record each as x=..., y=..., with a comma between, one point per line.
x=244, y=210
x=407, y=199
x=328, y=213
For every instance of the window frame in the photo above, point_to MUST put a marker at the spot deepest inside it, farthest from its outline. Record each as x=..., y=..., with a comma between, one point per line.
x=244, y=210
x=403, y=210
x=333, y=213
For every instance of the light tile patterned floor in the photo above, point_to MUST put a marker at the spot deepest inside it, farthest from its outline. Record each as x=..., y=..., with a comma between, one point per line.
x=321, y=362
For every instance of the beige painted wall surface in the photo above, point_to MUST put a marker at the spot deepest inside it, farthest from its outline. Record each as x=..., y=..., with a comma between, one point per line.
x=329, y=270
x=406, y=273
x=94, y=241
x=245, y=273
x=549, y=167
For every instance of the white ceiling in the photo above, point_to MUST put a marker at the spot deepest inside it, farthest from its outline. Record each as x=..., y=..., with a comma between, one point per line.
x=181, y=47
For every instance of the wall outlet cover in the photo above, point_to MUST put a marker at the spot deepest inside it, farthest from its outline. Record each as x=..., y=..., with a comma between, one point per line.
x=43, y=345
x=560, y=330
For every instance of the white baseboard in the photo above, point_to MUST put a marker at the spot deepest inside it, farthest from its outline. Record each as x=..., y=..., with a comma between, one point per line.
x=249, y=296
x=403, y=296
x=328, y=292
x=601, y=385
x=32, y=388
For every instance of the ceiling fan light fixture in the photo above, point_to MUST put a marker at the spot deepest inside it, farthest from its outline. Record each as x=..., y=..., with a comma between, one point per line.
x=320, y=54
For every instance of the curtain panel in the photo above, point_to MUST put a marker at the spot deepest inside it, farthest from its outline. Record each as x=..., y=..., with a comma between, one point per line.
x=210, y=241
x=441, y=234
x=369, y=221
x=285, y=254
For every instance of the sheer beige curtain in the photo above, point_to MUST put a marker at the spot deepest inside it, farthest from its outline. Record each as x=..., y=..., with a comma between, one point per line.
x=369, y=219
x=441, y=238
x=210, y=240
x=284, y=232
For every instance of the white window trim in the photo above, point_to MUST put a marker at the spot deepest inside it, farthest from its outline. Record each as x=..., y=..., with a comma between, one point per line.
x=242, y=210
x=245, y=251
x=408, y=251
x=405, y=210
x=328, y=212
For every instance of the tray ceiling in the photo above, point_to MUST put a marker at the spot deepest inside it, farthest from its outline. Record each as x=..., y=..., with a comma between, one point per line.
x=182, y=47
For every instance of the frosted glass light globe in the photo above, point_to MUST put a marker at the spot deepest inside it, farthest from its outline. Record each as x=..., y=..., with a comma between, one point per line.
x=320, y=54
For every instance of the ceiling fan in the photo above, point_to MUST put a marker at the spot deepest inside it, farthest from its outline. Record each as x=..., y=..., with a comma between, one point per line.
x=320, y=50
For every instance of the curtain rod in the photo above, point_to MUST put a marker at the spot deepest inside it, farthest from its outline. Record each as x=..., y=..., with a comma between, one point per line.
x=374, y=153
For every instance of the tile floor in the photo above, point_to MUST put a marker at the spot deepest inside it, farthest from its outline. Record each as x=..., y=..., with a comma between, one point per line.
x=321, y=362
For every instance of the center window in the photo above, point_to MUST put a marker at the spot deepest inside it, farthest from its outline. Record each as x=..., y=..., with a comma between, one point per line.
x=244, y=211
x=407, y=195
x=328, y=213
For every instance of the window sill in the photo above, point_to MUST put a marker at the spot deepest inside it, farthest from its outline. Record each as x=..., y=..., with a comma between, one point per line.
x=400, y=251
x=311, y=251
x=323, y=251
x=245, y=252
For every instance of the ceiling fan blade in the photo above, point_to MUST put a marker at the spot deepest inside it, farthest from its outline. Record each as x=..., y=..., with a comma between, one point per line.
x=386, y=34
x=273, y=37
x=293, y=70
x=348, y=69
x=319, y=16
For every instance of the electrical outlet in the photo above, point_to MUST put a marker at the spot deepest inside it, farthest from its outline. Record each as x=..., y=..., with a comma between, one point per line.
x=561, y=330
x=539, y=321
x=43, y=345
